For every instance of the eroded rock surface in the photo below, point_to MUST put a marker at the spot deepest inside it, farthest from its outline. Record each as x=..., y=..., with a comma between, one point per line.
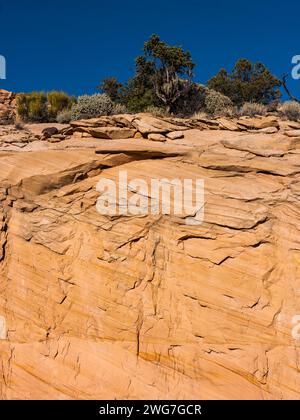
x=148, y=307
x=7, y=106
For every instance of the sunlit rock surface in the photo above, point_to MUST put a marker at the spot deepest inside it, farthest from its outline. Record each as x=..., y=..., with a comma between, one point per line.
x=93, y=307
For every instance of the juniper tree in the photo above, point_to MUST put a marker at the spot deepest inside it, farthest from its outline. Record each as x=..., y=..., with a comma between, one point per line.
x=247, y=82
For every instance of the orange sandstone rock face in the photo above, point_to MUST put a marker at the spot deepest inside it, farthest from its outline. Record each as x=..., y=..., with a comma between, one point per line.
x=93, y=307
x=7, y=106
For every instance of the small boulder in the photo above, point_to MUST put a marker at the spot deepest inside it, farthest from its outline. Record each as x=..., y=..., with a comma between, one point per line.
x=156, y=137
x=49, y=132
x=175, y=135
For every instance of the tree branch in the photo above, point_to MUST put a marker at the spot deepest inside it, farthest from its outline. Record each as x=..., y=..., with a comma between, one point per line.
x=284, y=84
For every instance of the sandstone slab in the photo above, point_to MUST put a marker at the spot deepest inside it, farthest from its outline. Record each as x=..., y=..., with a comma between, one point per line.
x=112, y=133
x=259, y=123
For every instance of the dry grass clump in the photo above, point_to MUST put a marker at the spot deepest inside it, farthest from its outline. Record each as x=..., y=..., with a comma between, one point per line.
x=156, y=111
x=200, y=115
x=251, y=109
x=290, y=110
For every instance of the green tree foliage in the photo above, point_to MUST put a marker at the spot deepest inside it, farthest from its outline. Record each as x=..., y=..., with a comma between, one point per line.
x=164, y=79
x=138, y=94
x=172, y=70
x=191, y=102
x=112, y=87
x=163, y=75
x=248, y=82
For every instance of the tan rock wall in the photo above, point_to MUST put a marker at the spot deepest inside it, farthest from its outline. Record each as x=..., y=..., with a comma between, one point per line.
x=147, y=307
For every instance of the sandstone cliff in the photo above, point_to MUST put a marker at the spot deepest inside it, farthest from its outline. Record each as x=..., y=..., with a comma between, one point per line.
x=148, y=307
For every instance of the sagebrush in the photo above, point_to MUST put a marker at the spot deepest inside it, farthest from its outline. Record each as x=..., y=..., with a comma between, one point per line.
x=216, y=103
x=90, y=106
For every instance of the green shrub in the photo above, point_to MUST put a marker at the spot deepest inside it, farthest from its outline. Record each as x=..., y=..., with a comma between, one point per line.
x=90, y=106
x=58, y=102
x=251, y=109
x=291, y=110
x=32, y=107
x=64, y=117
x=216, y=103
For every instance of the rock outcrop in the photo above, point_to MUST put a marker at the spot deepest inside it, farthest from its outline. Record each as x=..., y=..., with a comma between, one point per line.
x=98, y=307
x=7, y=106
x=159, y=129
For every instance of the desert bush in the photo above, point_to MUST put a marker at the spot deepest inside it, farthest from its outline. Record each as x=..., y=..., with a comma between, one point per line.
x=90, y=106
x=64, y=117
x=216, y=103
x=119, y=109
x=32, y=107
x=58, y=102
x=290, y=110
x=251, y=109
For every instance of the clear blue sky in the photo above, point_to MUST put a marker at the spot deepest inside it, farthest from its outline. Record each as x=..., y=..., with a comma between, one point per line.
x=72, y=45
